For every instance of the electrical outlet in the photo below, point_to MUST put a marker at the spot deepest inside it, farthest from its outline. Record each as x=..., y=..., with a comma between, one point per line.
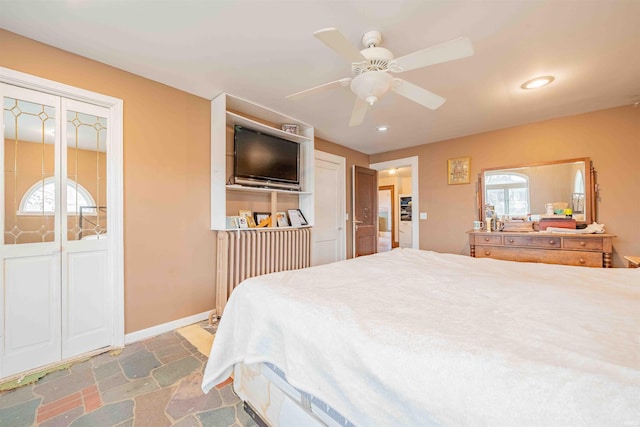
x=423, y=215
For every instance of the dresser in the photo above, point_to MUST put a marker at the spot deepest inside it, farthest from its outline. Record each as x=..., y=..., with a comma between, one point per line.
x=587, y=250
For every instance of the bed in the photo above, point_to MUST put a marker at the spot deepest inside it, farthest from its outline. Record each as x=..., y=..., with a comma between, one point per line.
x=418, y=338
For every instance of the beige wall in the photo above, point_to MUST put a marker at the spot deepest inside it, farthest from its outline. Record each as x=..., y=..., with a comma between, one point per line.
x=611, y=138
x=169, y=249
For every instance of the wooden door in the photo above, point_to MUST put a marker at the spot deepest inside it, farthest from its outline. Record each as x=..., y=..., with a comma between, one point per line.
x=365, y=211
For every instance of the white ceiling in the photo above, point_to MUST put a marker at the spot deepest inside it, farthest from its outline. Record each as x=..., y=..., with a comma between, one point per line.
x=265, y=50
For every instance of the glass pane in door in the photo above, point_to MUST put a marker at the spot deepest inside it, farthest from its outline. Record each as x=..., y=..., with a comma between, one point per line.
x=29, y=168
x=86, y=176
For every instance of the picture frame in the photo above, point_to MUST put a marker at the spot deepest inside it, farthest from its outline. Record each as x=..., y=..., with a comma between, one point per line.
x=296, y=218
x=244, y=213
x=281, y=219
x=459, y=170
x=303, y=219
x=242, y=222
x=261, y=217
x=232, y=222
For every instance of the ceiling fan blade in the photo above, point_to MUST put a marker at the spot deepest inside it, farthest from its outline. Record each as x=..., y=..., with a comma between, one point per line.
x=298, y=95
x=359, y=111
x=418, y=94
x=443, y=52
x=335, y=40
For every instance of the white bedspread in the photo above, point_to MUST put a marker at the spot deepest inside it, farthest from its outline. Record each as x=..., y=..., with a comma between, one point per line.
x=413, y=338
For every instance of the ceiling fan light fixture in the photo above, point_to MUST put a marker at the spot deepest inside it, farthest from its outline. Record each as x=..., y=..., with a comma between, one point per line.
x=537, y=82
x=371, y=86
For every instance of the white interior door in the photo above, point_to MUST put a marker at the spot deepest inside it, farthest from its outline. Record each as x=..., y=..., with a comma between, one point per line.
x=30, y=268
x=57, y=300
x=86, y=297
x=329, y=233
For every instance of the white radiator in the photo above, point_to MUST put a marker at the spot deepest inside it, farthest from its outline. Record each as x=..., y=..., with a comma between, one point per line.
x=247, y=253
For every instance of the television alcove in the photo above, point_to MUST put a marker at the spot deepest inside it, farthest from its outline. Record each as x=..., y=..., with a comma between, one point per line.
x=227, y=112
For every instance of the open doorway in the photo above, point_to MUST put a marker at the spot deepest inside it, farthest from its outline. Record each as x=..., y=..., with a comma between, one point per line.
x=386, y=218
x=397, y=200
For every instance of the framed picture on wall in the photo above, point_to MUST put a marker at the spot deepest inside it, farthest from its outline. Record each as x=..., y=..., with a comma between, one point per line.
x=459, y=170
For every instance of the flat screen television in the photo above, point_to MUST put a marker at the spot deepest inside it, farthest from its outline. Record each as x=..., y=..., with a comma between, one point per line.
x=263, y=160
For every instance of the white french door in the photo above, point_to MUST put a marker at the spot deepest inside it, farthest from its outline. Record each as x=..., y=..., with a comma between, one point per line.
x=56, y=299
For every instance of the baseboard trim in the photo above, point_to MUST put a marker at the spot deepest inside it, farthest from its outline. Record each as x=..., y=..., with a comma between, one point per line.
x=165, y=327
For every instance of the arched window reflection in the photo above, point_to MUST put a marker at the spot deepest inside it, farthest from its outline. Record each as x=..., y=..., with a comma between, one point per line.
x=40, y=198
x=508, y=192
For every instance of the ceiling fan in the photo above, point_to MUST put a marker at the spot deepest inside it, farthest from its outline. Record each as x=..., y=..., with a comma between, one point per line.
x=371, y=70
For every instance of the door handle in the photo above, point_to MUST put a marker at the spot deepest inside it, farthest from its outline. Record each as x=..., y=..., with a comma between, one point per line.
x=356, y=222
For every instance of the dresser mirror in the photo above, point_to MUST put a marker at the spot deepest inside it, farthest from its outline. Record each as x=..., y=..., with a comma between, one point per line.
x=539, y=190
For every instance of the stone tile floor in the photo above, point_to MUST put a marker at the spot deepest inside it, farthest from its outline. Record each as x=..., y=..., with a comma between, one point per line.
x=152, y=383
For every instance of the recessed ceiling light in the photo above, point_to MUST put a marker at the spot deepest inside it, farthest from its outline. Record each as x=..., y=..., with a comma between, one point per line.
x=537, y=82
x=383, y=128
x=392, y=171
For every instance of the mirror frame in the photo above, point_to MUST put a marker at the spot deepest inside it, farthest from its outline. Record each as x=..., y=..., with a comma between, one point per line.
x=591, y=187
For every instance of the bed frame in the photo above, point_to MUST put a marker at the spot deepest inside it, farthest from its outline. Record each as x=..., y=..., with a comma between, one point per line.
x=272, y=402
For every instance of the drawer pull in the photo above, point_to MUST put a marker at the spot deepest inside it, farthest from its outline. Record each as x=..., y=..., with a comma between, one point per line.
x=486, y=239
x=552, y=242
x=583, y=244
x=582, y=261
x=487, y=253
x=510, y=240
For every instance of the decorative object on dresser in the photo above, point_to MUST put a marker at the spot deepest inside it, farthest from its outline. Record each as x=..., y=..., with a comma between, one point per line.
x=588, y=250
x=522, y=226
x=569, y=223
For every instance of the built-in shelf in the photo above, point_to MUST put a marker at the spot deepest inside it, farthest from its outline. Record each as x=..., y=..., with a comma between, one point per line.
x=228, y=111
x=259, y=229
x=265, y=190
x=236, y=119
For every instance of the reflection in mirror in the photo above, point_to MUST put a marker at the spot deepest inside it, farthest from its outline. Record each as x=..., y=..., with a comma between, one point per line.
x=86, y=176
x=28, y=164
x=539, y=190
x=30, y=183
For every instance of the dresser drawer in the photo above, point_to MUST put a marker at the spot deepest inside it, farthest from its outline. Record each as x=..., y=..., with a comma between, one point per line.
x=546, y=242
x=497, y=252
x=586, y=244
x=488, y=239
x=577, y=258
x=589, y=250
